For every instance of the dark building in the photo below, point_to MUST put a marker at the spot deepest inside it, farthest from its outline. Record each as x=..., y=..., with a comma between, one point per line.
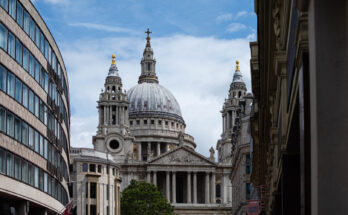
x=299, y=74
x=34, y=114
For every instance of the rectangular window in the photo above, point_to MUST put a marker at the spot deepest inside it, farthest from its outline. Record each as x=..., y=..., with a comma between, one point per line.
x=41, y=110
x=41, y=146
x=107, y=192
x=3, y=74
x=49, y=54
x=37, y=36
x=93, y=190
x=17, y=168
x=42, y=43
x=20, y=15
x=87, y=189
x=36, y=141
x=4, y=4
x=31, y=101
x=41, y=180
x=2, y=161
x=17, y=129
x=26, y=21
x=42, y=78
x=36, y=177
x=3, y=37
x=46, y=49
x=31, y=66
x=25, y=95
x=31, y=174
x=11, y=45
x=36, y=106
x=18, y=51
x=46, y=82
x=93, y=210
x=247, y=164
x=247, y=191
x=9, y=125
x=32, y=29
x=45, y=148
x=37, y=71
x=18, y=91
x=92, y=167
x=45, y=115
x=25, y=59
x=25, y=133
x=84, y=167
x=2, y=120
x=99, y=168
x=45, y=182
x=31, y=137
x=12, y=8
x=25, y=172
x=10, y=84
x=9, y=164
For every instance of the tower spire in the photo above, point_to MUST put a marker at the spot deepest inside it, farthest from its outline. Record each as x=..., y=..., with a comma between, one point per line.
x=148, y=38
x=113, y=71
x=237, y=65
x=148, y=63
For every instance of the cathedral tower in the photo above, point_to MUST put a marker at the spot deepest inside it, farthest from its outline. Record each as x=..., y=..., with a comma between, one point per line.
x=113, y=128
x=230, y=115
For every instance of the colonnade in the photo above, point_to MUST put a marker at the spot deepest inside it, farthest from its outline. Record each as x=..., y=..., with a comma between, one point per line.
x=119, y=114
x=148, y=149
x=192, y=187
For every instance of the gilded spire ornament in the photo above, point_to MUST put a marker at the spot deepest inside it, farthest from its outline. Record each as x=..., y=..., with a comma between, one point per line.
x=113, y=62
x=148, y=32
x=237, y=65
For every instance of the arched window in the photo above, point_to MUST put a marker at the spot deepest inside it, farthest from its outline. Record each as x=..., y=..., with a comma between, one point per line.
x=148, y=66
x=113, y=89
x=239, y=94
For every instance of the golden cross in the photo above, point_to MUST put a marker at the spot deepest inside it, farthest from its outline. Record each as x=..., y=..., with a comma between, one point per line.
x=148, y=32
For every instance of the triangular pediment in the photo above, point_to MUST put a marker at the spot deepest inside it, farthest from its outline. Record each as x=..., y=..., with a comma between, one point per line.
x=182, y=156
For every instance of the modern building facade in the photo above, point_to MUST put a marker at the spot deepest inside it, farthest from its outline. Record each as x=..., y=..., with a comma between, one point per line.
x=299, y=74
x=34, y=114
x=234, y=145
x=144, y=132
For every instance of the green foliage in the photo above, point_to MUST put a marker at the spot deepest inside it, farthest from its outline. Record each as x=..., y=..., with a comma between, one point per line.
x=141, y=198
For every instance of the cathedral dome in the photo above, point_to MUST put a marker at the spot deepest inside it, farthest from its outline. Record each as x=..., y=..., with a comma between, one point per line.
x=153, y=99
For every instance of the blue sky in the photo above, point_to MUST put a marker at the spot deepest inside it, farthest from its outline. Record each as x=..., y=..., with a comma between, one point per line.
x=195, y=42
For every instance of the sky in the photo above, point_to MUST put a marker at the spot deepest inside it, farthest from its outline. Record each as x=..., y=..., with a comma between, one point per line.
x=195, y=43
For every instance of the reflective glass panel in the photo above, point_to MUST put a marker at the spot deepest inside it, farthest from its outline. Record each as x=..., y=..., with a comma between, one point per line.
x=3, y=74
x=25, y=96
x=9, y=124
x=12, y=8
x=25, y=133
x=20, y=15
x=10, y=84
x=3, y=37
x=11, y=45
x=18, y=91
x=18, y=52
x=2, y=120
x=25, y=59
x=26, y=22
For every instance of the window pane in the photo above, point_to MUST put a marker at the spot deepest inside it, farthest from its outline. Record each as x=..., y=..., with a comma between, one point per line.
x=36, y=141
x=37, y=71
x=26, y=22
x=17, y=168
x=20, y=15
x=18, y=52
x=41, y=146
x=2, y=120
x=32, y=29
x=49, y=54
x=18, y=91
x=31, y=137
x=41, y=180
x=46, y=49
x=31, y=101
x=45, y=182
x=12, y=8
x=25, y=95
x=4, y=4
x=3, y=74
x=9, y=126
x=93, y=190
x=9, y=164
x=37, y=36
x=10, y=84
x=2, y=162
x=45, y=148
x=42, y=43
x=84, y=167
x=24, y=133
x=3, y=37
x=31, y=174
x=17, y=129
x=42, y=77
x=41, y=114
x=36, y=106
x=31, y=68
x=25, y=59
x=36, y=177
x=46, y=82
x=25, y=171
x=11, y=45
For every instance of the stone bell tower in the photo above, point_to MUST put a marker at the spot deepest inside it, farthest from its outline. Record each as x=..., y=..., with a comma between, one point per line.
x=230, y=115
x=113, y=128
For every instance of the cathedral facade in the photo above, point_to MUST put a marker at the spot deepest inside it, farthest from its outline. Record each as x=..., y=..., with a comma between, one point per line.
x=143, y=132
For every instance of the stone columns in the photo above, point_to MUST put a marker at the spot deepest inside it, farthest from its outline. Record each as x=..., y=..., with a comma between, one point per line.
x=174, y=187
x=116, y=116
x=155, y=178
x=168, y=186
x=110, y=115
x=148, y=177
x=158, y=149
x=148, y=150
x=222, y=189
x=140, y=155
x=107, y=115
x=104, y=112
x=188, y=187
x=206, y=187
x=194, y=187
x=212, y=189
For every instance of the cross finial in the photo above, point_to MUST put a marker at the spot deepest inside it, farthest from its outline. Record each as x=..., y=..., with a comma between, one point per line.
x=148, y=32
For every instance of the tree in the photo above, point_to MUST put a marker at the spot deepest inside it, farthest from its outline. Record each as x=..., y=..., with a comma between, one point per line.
x=145, y=199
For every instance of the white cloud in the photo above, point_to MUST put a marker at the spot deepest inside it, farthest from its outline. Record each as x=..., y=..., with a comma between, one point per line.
x=198, y=71
x=107, y=28
x=241, y=14
x=224, y=17
x=234, y=27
